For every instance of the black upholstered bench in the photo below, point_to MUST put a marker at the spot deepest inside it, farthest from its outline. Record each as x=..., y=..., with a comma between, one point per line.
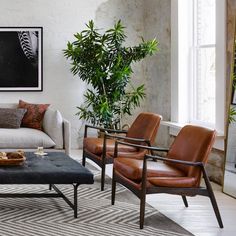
x=55, y=168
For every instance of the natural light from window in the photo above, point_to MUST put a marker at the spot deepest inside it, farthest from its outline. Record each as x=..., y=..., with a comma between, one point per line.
x=204, y=73
x=198, y=65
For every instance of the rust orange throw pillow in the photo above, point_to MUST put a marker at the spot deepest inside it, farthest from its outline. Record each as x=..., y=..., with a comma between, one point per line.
x=33, y=118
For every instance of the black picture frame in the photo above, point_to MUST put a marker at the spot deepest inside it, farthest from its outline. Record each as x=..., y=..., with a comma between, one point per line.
x=21, y=59
x=233, y=102
x=233, y=68
x=233, y=98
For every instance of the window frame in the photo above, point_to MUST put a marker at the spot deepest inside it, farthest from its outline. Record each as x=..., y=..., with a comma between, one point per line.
x=181, y=42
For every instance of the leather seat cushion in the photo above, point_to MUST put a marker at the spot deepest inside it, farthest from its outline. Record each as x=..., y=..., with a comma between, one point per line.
x=95, y=145
x=176, y=182
x=132, y=169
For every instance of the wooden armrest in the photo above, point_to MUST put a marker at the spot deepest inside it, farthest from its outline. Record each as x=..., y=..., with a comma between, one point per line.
x=102, y=129
x=126, y=138
x=188, y=163
x=143, y=147
x=139, y=146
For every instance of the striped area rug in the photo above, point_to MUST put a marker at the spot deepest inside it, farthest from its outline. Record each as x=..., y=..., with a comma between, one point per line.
x=96, y=215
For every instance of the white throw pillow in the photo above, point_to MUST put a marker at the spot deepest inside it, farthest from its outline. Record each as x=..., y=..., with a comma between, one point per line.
x=53, y=126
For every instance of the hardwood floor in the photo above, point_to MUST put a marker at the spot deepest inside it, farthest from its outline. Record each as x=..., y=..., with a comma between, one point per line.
x=199, y=217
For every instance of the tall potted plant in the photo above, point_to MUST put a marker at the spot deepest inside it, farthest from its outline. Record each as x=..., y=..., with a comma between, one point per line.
x=104, y=64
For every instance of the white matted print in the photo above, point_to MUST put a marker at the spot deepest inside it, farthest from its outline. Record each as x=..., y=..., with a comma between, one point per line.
x=21, y=59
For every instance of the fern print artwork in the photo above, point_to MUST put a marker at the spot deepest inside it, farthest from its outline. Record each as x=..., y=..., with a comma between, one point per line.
x=21, y=59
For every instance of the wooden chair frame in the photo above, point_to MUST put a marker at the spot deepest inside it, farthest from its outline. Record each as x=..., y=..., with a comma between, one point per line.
x=141, y=194
x=107, y=135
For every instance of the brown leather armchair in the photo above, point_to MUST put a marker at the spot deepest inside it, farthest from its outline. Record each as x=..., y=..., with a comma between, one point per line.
x=179, y=172
x=101, y=150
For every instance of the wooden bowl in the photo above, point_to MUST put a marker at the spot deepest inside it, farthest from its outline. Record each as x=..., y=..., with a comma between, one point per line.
x=13, y=159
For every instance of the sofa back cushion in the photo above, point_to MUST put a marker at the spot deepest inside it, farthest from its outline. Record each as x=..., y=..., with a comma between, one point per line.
x=8, y=105
x=11, y=117
x=53, y=126
x=33, y=118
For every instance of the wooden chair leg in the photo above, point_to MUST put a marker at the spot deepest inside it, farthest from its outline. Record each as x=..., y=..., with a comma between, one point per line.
x=142, y=210
x=215, y=206
x=185, y=201
x=103, y=176
x=212, y=198
x=83, y=159
x=113, y=190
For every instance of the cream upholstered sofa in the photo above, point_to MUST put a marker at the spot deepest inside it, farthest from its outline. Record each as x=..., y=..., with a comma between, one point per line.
x=55, y=136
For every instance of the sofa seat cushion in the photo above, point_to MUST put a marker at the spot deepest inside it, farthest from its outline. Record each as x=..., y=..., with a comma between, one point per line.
x=24, y=138
x=133, y=169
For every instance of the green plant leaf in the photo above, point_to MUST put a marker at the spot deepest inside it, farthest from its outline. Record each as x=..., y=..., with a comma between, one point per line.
x=105, y=65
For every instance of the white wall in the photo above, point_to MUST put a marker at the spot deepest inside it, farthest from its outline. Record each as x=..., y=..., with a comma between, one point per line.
x=60, y=19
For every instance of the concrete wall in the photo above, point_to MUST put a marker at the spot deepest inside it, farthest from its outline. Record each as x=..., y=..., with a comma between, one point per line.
x=157, y=23
x=60, y=19
x=131, y=14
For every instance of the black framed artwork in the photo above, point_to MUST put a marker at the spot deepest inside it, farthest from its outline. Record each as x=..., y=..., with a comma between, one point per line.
x=21, y=58
x=233, y=96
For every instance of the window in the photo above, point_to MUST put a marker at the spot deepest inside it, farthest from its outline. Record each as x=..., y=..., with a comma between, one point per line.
x=198, y=63
x=204, y=55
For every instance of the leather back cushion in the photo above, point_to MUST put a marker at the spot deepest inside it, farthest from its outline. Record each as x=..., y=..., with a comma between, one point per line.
x=33, y=118
x=145, y=126
x=194, y=144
